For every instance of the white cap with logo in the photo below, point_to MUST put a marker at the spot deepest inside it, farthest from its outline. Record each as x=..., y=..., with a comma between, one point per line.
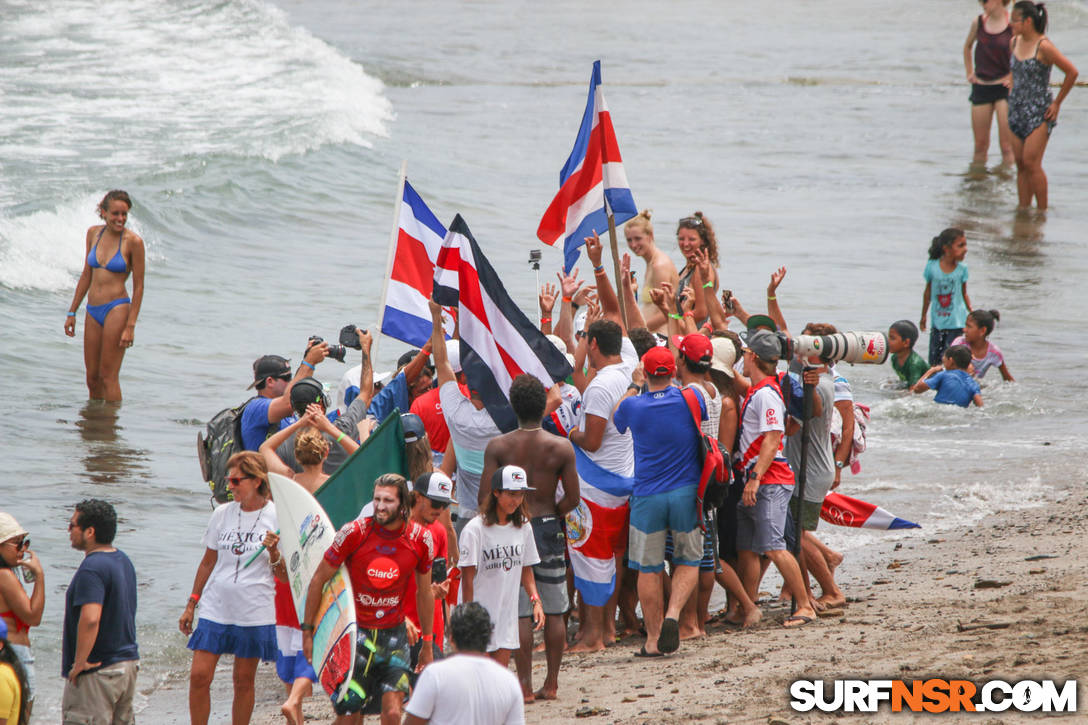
x=510, y=478
x=436, y=486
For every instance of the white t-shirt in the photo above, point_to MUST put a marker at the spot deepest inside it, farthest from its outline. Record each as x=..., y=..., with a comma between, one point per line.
x=234, y=593
x=467, y=689
x=616, y=453
x=470, y=431
x=498, y=553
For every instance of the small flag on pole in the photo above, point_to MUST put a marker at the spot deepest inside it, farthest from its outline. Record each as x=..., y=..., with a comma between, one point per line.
x=498, y=342
x=418, y=239
x=591, y=184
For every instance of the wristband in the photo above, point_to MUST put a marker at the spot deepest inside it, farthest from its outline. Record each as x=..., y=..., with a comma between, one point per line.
x=535, y=599
x=545, y=320
x=566, y=299
x=340, y=437
x=690, y=314
x=277, y=562
x=71, y=314
x=194, y=598
x=675, y=316
x=427, y=637
x=598, y=269
x=635, y=387
x=309, y=365
x=708, y=285
x=772, y=298
x=306, y=627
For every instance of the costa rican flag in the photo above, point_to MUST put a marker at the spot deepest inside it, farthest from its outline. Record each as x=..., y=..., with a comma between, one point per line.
x=591, y=184
x=498, y=342
x=845, y=511
x=405, y=315
x=597, y=529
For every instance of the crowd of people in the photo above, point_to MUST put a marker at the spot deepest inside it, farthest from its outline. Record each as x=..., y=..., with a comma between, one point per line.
x=484, y=519
x=458, y=565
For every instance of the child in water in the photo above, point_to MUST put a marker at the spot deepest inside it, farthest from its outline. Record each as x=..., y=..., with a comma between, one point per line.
x=908, y=365
x=976, y=336
x=954, y=385
x=945, y=298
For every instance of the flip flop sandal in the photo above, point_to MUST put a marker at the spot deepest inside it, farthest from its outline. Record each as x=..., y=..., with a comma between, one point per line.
x=669, y=641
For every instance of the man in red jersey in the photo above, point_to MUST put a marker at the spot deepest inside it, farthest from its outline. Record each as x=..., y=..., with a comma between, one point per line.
x=382, y=554
x=432, y=493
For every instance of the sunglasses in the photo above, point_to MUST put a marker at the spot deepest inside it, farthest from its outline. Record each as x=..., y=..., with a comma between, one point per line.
x=439, y=505
x=691, y=221
x=235, y=480
x=23, y=543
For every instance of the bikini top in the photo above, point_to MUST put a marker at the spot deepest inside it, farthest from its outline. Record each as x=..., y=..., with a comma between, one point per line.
x=117, y=261
x=20, y=625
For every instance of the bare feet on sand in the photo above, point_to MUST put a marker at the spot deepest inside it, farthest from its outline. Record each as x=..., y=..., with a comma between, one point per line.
x=829, y=602
x=584, y=647
x=748, y=619
x=546, y=694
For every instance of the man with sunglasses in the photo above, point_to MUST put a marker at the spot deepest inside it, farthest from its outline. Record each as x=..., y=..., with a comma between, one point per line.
x=273, y=380
x=432, y=493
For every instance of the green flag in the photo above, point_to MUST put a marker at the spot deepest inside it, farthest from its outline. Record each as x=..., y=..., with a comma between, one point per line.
x=352, y=486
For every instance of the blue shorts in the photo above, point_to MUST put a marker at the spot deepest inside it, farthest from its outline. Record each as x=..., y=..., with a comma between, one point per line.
x=294, y=667
x=654, y=515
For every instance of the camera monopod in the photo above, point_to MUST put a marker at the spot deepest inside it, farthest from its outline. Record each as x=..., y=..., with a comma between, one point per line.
x=806, y=414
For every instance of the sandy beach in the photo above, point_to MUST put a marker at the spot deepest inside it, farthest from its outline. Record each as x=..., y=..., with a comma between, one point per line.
x=914, y=613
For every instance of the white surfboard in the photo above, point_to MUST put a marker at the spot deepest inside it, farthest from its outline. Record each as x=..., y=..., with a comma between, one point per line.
x=305, y=534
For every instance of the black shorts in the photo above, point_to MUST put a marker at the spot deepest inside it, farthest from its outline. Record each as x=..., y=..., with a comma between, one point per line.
x=382, y=664
x=985, y=94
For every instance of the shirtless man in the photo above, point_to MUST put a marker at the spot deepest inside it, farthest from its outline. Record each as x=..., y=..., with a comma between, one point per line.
x=659, y=268
x=547, y=460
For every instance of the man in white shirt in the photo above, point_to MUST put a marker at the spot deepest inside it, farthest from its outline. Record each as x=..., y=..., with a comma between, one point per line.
x=468, y=687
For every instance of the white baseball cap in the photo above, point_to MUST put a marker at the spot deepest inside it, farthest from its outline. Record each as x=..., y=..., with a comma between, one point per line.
x=453, y=353
x=436, y=486
x=510, y=478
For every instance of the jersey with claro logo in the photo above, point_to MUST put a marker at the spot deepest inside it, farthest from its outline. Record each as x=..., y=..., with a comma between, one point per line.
x=380, y=564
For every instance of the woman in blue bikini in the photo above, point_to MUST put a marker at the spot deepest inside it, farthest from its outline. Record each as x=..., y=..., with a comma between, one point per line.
x=111, y=316
x=1033, y=110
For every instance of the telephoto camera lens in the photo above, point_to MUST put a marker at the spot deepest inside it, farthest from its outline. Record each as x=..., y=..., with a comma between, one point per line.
x=337, y=352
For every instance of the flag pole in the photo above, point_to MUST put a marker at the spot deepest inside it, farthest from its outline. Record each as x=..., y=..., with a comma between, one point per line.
x=616, y=266
x=393, y=234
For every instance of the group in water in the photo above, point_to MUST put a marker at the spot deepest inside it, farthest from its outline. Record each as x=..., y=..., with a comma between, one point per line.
x=1009, y=72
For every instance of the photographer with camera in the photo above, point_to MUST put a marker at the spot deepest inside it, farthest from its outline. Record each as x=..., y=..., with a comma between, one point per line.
x=761, y=517
x=414, y=377
x=273, y=380
x=310, y=392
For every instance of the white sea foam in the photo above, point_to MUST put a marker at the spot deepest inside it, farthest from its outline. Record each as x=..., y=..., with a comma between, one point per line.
x=95, y=95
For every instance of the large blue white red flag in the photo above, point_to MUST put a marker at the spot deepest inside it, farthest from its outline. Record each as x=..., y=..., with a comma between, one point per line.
x=591, y=183
x=845, y=511
x=597, y=529
x=498, y=342
x=406, y=316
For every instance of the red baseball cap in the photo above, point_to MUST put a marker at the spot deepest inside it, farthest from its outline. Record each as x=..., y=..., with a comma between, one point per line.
x=659, y=361
x=695, y=347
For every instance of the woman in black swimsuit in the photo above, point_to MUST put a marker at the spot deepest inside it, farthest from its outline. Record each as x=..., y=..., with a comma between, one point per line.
x=113, y=252
x=1033, y=113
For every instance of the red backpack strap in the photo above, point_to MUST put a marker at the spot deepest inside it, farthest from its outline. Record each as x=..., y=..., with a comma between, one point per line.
x=693, y=406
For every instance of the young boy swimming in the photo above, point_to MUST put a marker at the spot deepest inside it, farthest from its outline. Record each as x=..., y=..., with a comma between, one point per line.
x=908, y=365
x=954, y=385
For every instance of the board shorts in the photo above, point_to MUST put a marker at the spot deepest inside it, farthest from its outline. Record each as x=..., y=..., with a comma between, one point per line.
x=382, y=664
x=762, y=528
x=983, y=94
x=651, y=516
x=709, y=562
x=551, y=573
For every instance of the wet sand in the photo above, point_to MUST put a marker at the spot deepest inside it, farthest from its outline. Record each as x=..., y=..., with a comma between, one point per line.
x=915, y=617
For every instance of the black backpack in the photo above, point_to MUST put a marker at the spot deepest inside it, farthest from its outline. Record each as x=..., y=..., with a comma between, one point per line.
x=221, y=439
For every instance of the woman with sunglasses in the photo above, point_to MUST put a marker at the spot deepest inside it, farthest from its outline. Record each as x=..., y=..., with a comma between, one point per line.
x=695, y=233
x=17, y=610
x=235, y=595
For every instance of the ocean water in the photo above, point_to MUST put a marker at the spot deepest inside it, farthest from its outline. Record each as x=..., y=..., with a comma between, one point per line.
x=261, y=144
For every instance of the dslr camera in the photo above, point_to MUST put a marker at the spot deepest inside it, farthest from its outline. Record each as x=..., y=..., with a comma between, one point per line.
x=348, y=338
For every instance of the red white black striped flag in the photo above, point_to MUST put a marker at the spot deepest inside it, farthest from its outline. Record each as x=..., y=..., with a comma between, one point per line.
x=498, y=342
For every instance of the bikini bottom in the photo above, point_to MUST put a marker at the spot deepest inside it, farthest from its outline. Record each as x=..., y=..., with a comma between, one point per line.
x=99, y=312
